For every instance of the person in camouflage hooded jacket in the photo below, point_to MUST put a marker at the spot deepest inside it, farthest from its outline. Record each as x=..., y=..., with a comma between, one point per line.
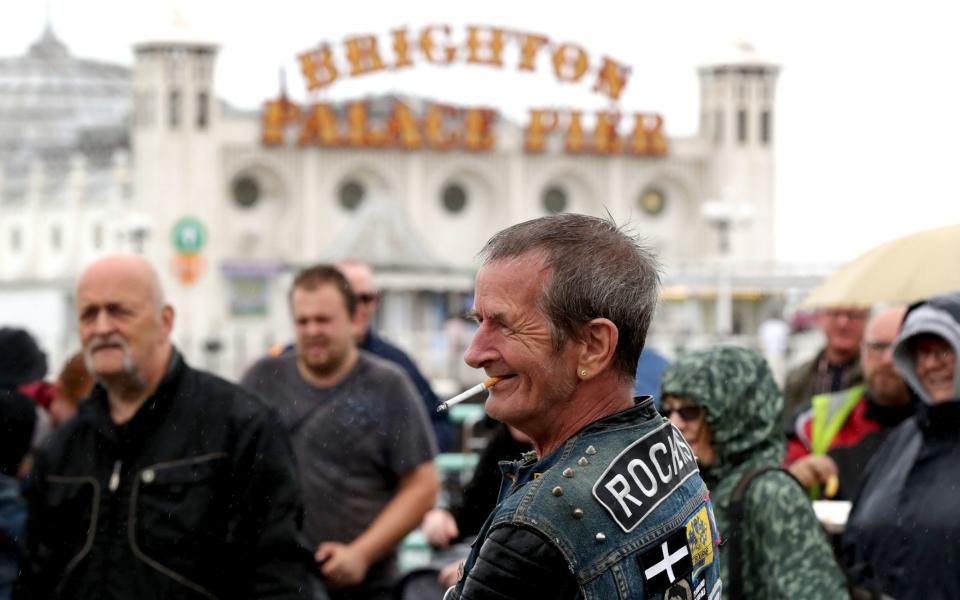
x=785, y=553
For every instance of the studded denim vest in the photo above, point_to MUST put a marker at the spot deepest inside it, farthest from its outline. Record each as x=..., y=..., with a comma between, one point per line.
x=624, y=504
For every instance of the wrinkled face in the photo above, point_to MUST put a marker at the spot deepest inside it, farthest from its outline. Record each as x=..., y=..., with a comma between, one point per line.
x=514, y=340
x=935, y=361
x=843, y=328
x=324, y=329
x=690, y=418
x=882, y=379
x=121, y=327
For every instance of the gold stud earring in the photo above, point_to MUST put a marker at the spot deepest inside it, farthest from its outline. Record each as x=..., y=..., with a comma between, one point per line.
x=583, y=372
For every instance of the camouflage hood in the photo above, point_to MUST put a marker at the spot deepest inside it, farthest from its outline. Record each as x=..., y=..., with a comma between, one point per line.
x=743, y=406
x=784, y=554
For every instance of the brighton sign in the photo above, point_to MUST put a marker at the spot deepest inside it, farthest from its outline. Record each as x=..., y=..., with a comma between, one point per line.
x=438, y=126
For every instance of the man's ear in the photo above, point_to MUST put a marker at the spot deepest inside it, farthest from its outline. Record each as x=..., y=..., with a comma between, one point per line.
x=166, y=318
x=598, y=343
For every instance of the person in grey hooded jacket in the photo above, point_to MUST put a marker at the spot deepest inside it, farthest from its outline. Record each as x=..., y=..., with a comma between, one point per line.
x=903, y=534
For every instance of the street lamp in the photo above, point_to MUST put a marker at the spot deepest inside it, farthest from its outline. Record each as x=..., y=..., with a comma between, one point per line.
x=724, y=217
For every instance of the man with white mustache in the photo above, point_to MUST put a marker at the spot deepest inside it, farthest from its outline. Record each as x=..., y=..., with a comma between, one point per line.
x=169, y=482
x=98, y=343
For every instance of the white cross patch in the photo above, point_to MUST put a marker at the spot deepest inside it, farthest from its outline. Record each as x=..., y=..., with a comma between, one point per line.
x=666, y=562
x=669, y=559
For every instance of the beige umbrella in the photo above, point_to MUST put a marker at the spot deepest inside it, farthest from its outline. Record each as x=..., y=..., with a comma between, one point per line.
x=905, y=270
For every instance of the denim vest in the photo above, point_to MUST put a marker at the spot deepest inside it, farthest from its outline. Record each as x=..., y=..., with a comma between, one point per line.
x=624, y=504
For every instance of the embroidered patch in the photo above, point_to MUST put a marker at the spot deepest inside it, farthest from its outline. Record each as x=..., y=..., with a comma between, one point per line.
x=644, y=475
x=666, y=563
x=679, y=591
x=717, y=590
x=700, y=539
x=713, y=526
x=700, y=592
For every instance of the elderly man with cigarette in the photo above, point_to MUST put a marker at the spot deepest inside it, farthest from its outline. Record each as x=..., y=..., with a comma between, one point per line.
x=610, y=504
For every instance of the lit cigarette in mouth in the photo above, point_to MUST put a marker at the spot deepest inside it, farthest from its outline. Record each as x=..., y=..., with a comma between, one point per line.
x=480, y=387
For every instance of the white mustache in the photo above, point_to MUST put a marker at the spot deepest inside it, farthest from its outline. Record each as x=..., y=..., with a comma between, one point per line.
x=130, y=367
x=114, y=339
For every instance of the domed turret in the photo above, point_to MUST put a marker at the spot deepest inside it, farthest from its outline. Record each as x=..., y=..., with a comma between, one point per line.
x=737, y=89
x=736, y=97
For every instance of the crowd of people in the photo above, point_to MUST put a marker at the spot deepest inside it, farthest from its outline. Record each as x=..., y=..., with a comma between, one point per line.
x=134, y=475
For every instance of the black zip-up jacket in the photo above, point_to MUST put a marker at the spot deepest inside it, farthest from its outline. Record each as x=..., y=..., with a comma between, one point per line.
x=903, y=533
x=195, y=497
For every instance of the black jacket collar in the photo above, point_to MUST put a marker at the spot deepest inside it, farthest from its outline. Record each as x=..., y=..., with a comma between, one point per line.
x=150, y=414
x=889, y=416
x=939, y=420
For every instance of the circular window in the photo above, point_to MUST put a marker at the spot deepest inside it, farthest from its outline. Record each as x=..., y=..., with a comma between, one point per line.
x=454, y=198
x=652, y=201
x=351, y=194
x=246, y=191
x=555, y=199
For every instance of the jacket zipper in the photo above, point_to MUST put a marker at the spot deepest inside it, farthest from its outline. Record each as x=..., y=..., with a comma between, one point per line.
x=115, y=477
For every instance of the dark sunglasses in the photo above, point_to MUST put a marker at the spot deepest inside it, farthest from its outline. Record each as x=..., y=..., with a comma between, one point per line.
x=367, y=298
x=687, y=413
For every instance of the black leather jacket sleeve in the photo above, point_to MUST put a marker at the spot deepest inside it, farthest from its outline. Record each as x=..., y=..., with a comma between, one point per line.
x=266, y=538
x=517, y=563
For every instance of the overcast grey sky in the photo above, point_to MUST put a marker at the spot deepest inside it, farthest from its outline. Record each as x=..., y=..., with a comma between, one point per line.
x=868, y=102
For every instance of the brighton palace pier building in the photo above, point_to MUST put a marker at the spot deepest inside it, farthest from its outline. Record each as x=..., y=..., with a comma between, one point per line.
x=99, y=158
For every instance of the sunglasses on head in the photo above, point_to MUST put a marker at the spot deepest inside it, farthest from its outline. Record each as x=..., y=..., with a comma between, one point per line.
x=687, y=413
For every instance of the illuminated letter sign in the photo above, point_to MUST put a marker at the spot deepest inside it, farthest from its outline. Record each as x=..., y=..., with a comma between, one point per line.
x=444, y=127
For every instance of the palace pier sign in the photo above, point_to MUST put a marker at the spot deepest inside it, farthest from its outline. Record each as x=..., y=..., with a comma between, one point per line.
x=444, y=127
